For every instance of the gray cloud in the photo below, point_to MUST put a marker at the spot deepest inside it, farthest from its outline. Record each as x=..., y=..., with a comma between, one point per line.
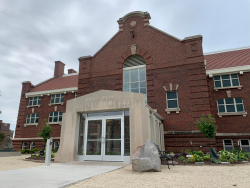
x=34, y=34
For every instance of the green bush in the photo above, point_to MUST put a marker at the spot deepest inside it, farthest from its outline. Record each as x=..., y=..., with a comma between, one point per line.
x=54, y=150
x=247, y=154
x=35, y=150
x=190, y=160
x=206, y=157
x=197, y=158
x=200, y=153
x=52, y=155
x=181, y=158
x=226, y=156
x=188, y=151
x=184, y=161
x=23, y=151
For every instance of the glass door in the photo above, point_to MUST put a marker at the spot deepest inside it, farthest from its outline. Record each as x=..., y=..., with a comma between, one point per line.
x=94, y=143
x=114, y=141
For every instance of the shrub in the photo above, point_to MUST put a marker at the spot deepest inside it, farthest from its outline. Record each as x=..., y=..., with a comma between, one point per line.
x=200, y=153
x=34, y=150
x=25, y=151
x=184, y=161
x=197, y=158
x=181, y=158
x=206, y=157
x=184, y=154
x=226, y=156
x=207, y=126
x=188, y=151
x=176, y=156
x=52, y=155
x=247, y=154
x=190, y=160
x=54, y=150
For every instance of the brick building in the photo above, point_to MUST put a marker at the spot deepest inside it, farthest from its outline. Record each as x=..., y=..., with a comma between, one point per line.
x=178, y=82
x=5, y=128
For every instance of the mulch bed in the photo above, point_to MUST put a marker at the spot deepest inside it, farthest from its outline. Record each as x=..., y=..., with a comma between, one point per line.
x=37, y=159
x=206, y=163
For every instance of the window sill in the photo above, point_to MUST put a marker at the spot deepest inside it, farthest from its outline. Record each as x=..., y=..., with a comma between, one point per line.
x=56, y=103
x=30, y=124
x=53, y=123
x=232, y=114
x=33, y=106
x=168, y=110
x=232, y=87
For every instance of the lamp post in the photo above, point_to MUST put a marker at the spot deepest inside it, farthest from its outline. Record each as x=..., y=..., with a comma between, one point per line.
x=238, y=150
x=192, y=147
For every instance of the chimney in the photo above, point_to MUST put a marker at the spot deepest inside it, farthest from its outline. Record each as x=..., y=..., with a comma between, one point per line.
x=70, y=71
x=59, y=69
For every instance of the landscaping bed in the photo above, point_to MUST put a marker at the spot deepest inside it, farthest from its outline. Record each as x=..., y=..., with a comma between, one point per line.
x=186, y=158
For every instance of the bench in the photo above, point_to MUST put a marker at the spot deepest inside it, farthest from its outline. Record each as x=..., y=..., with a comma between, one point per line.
x=164, y=155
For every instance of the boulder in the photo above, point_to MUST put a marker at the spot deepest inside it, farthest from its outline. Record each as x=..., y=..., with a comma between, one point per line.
x=137, y=151
x=148, y=159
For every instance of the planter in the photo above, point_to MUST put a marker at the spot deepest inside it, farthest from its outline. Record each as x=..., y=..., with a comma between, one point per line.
x=199, y=163
x=225, y=163
x=245, y=161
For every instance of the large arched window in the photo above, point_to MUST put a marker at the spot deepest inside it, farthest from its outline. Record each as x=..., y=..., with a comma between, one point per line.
x=134, y=75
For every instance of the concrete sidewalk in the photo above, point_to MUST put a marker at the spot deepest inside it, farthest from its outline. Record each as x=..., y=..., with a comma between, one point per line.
x=56, y=175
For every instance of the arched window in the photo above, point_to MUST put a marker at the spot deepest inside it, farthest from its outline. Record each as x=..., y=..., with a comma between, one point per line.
x=134, y=75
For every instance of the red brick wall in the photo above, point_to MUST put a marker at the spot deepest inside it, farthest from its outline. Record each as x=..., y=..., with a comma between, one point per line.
x=43, y=110
x=232, y=124
x=168, y=60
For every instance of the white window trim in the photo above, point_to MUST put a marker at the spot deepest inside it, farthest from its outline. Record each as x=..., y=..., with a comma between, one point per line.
x=228, y=87
x=168, y=110
x=23, y=145
x=57, y=97
x=244, y=145
x=30, y=119
x=55, y=144
x=31, y=145
x=57, y=122
x=220, y=114
x=36, y=101
x=228, y=145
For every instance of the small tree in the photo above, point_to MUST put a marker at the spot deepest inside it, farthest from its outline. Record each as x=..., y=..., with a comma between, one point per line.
x=207, y=126
x=2, y=136
x=46, y=131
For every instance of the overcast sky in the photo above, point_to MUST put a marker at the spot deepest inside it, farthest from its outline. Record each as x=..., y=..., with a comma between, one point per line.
x=34, y=34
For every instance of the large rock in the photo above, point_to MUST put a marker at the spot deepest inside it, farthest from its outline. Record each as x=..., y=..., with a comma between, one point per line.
x=148, y=160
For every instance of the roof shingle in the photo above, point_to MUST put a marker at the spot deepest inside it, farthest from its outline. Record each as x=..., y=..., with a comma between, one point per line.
x=57, y=83
x=228, y=59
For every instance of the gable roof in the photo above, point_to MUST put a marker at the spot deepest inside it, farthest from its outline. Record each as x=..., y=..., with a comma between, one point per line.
x=229, y=58
x=67, y=81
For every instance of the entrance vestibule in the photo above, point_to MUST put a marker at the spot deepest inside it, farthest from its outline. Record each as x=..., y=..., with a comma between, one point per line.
x=104, y=136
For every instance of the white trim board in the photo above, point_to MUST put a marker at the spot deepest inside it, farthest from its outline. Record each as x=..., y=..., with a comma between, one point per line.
x=55, y=91
x=36, y=138
x=229, y=70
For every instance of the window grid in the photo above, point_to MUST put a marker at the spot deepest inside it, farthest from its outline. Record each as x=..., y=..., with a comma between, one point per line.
x=55, y=117
x=57, y=98
x=32, y=118
x=32, y=145
x=34, y=101
x=56, y=145
x=140, y=82
x=225, y=145
x=24, y=146
x=235, y=105
x=226, y=79
x=242, y=147
x=174, y=99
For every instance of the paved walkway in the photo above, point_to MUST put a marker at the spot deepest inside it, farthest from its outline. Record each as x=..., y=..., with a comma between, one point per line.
x=56, y=175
